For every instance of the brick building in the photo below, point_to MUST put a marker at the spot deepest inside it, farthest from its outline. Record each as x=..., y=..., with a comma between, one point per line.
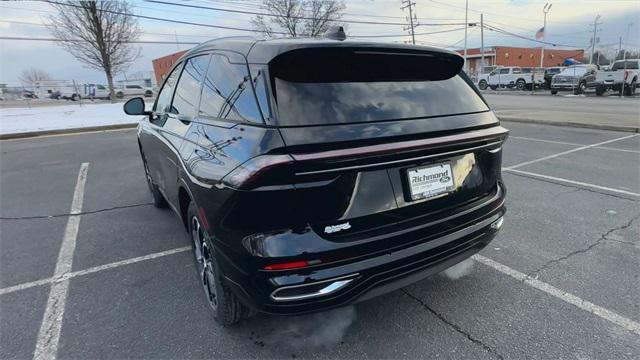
x=161, y=66
x=517, y=56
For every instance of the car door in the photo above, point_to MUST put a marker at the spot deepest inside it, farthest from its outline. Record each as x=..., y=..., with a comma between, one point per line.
x=150, y=135
x=177, y=119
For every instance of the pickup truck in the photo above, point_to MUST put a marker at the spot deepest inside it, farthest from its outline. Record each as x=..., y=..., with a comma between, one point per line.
x=133, y=90
x=573, y=78
x=623, y=75
x=510, y=77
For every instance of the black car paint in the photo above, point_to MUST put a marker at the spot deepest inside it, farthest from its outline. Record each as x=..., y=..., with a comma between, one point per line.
x=392, y=241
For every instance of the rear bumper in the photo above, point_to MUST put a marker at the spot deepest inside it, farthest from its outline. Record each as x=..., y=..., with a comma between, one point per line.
x=368, y=277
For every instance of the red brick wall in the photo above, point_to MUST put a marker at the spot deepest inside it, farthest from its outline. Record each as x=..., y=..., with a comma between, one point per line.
x=161, y=66
x=530, y=57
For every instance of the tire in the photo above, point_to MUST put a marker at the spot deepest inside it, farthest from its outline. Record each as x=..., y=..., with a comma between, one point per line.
x=493, y=87
x=482, y=85
x=600, y=90
x=554, y=92
x=75, y=97
x=148, y=94
x=119, y=95
x=582, y=86
x=158, y=199
x=521, y=84
x=225, y=306
x=630, y=89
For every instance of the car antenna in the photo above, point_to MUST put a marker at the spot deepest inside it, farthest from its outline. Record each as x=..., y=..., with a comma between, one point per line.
x=336, y=33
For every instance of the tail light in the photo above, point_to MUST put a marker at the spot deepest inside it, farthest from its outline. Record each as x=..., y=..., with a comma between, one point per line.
x=259, y=170
x=626, y=75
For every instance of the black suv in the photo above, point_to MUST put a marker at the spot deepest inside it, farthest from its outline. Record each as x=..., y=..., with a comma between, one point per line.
x=316, y=173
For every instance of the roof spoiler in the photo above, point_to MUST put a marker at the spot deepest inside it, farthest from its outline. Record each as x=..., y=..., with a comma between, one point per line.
x=364, y=64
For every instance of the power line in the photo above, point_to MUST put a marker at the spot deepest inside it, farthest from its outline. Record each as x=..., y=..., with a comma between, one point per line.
x=502, y=31
x=79, y=40
x=284, y=16
x=502, y=15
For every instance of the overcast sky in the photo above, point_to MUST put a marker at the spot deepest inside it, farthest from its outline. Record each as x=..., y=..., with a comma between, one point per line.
x=568, y=23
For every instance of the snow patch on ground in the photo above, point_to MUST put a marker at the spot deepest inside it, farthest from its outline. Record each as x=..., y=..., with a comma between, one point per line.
x=23, y=120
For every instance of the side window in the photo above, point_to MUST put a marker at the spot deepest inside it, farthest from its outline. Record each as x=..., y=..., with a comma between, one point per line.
x=163, y=104
x=227, y=92
x=504, y=71
x=188, y=88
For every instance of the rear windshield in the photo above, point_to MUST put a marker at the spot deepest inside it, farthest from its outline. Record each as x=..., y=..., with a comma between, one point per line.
x=333, y=103
x=375, y=87
x=619, y=65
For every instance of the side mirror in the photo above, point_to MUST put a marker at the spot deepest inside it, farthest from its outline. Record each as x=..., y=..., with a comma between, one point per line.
x=135, y=106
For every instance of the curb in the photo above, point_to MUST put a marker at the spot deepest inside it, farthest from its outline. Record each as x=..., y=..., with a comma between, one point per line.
x=632, y=129
x=30, y=134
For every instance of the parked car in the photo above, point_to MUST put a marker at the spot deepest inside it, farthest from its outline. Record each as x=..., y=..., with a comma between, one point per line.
x=623, y=76
x=482, y=77
x=513, y=77
x=574, y=78
x=132, y=90
x=314, y=173
x=29, y=94
x=549, y=73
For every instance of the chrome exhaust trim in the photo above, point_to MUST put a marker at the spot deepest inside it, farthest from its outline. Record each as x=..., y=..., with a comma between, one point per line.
x=316, y=289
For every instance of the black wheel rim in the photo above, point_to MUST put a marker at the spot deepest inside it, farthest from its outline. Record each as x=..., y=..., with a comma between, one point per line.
x=204, y=260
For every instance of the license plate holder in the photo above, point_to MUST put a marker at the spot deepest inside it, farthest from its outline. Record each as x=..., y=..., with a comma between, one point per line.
x=429, y=181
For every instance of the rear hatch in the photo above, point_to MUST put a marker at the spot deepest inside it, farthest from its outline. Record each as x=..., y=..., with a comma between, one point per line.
x=382, y=137
x=378, y=142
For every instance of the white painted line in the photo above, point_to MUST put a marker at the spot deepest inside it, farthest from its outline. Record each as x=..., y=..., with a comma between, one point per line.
x=95, y=269
x=570, y=151
x=545, y=141
x=580, y=303
x=134, y=260
x=572, y=144
x=49, y=335
x=572, y=182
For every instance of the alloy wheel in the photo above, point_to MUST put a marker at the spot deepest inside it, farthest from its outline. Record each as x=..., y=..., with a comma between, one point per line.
x=204, y=260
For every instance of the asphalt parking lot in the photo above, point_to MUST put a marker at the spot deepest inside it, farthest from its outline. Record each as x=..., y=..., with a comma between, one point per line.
x=559, y=282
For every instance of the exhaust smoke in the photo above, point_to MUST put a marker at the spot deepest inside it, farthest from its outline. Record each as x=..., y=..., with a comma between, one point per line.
x=459, y=270
x=315, y=330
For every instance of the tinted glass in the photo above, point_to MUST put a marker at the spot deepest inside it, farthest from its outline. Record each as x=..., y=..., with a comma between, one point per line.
x=348, y=102
x=184, y=102
x=504, y=71
x=163, y=104
x=227, y=92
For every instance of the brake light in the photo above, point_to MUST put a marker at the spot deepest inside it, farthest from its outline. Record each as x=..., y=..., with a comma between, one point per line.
x=288, y=266
x=626, y=74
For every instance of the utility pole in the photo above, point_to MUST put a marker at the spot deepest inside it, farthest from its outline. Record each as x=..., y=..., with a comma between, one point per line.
x=481, y=43
x=466, y=26
x=593, y=39
x=545, y=11
x=413, y=19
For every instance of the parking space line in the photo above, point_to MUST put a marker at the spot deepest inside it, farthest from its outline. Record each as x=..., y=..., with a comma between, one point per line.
x=569, y=151
x=568, y=181
x=571, y=144
x=580, y=303
x=28, y=285
x=49, y=335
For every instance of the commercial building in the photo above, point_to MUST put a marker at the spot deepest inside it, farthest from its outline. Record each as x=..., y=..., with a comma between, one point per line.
x=161, y=66
x=517, y=56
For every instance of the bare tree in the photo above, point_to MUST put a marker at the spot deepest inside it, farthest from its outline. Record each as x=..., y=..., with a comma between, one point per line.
x=298, y=17
x=97, y=33
x=33, y=75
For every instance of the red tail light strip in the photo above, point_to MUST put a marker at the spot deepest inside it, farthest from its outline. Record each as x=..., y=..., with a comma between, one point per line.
x=488, y=134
